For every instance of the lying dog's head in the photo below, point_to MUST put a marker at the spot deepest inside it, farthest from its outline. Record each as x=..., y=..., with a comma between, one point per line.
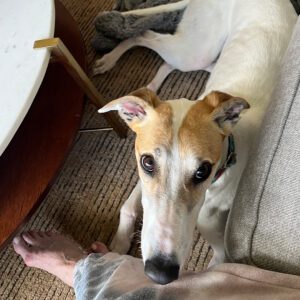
x=178, y=147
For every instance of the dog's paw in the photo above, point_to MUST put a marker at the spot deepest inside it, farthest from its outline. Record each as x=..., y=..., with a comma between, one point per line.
x=120, y=244
x=103, y=64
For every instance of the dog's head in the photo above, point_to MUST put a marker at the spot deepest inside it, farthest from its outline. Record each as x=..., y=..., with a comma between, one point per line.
x=178, y=147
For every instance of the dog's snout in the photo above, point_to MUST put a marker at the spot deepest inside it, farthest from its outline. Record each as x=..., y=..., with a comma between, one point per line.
x=162, y=269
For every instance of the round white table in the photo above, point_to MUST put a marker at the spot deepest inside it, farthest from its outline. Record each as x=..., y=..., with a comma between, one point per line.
x=41, y=106
x=22, y=68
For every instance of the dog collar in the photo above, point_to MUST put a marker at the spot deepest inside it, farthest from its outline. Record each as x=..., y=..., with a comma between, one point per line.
x=230, y=159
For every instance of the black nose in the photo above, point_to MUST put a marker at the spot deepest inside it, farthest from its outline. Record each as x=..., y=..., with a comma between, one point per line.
x=162, y=269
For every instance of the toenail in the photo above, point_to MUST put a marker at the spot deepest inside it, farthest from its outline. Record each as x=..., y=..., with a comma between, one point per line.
x=94, y=246
x=16, y=240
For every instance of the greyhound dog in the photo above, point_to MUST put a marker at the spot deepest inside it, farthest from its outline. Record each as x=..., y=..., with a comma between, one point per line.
x=191, y=154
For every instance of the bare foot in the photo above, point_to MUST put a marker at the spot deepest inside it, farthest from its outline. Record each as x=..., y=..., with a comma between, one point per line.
x=49, y=251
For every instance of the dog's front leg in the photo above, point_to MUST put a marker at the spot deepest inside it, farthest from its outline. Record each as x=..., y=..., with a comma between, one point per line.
x=214, y=212
x=128, y=214
x=211, y=224
x=162, y=73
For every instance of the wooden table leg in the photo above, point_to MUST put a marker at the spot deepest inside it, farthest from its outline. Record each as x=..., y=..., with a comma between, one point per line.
x=64, y=56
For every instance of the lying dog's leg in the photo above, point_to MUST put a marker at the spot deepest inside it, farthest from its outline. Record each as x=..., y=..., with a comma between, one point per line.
x=128, y=214
x=159, y=9
x=108, y=60
x=160, y=76
x=150, y=39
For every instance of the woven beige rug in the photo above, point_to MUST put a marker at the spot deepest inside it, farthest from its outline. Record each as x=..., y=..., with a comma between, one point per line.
x=100, y=171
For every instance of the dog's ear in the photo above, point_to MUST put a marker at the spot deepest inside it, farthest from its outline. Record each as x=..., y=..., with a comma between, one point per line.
x=226, y=109
x=135, y=109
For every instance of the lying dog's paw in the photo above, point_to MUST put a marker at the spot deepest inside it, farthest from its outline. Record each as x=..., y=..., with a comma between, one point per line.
x=120, y=244
x=104, y=64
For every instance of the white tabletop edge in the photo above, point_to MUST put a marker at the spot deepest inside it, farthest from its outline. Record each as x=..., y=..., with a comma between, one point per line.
x=6, y=137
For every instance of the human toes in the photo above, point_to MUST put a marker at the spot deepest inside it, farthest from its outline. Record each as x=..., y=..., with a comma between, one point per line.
x=98, y=247
x=39, y=239
x=23, y=249
x=20, y=245
x=32, y=238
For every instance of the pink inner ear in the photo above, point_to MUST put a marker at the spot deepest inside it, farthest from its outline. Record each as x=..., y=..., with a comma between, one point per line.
x=133, y=108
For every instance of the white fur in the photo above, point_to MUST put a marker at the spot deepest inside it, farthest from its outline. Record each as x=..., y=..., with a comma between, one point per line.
x=248, y=40
x=158, y=9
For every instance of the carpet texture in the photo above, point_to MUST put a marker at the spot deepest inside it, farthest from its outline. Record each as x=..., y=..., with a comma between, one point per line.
x=100, y=171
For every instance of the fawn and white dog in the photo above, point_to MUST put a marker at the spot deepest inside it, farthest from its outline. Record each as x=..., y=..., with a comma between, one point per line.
x=181, y=144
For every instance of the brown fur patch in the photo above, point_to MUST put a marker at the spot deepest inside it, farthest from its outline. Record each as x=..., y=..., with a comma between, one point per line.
x=227, y=109
x=199, y=135
x=215, y=98
x=157, y=131
x=149, y=96
x=155, y=134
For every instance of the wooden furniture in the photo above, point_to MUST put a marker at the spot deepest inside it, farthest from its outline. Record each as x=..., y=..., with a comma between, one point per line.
x=38, y=149
x=62, y=54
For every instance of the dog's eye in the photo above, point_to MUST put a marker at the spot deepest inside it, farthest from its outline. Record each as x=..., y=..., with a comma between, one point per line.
x=202, y=173
x=148, y=163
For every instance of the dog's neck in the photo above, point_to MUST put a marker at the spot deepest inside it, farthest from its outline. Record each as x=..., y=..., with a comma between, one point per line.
x=228, y=157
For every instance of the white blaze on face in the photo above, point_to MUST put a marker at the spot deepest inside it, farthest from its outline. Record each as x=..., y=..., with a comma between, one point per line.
x=179, y=164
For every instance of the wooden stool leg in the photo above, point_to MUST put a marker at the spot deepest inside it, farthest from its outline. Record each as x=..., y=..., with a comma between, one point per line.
x=64, y=56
